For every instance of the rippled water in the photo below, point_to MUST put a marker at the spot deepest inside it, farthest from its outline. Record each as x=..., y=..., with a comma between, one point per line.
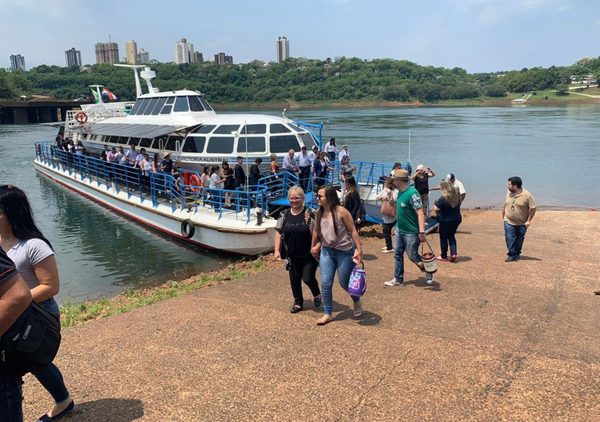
x=99, y=253
x=554, y=149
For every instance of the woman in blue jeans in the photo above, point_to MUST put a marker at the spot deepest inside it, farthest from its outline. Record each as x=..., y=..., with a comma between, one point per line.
x=335, y=242
x=448, y=209
x=34, y=258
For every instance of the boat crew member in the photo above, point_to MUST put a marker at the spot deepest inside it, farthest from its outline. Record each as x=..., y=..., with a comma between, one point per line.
x=239, y=175
x=305, y=164
x=519, y=209
x=290, y=163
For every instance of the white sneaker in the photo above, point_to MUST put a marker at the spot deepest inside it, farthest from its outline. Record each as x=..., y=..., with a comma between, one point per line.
x=392, y=283
x=430, y=281
x=387, y=250
x=358, y=308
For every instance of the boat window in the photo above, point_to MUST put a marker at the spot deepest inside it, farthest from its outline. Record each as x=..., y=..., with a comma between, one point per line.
x=284, y=143
x=195, y=104
x=85, y=135
x=308, y=140
x=204, y=129
x=132, y=141
x=145, y=142
x=253, y=129
x=226, y=129
x=220, y=145
x=144, y=106
x=158, y=107
x=151, y=106
x=170, y=100
x=110, y=139
x=296, y=128
x=136, y=107
x=194, y=144
x=166, y=109
x=255, y=144
x=181, y=104
x=279, y=128
x=205, y=104
x=171, y=144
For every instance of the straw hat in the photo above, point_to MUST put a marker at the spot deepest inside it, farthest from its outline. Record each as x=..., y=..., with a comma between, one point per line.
x=400, y=174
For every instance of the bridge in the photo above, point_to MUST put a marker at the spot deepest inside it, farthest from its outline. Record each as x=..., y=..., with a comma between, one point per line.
x=35, y=111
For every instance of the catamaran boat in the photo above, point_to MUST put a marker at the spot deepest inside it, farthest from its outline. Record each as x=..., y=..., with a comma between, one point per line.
x=185, y=125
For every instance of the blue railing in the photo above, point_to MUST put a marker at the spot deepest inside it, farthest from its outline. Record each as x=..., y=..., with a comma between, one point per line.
x=155, y=187
x=312, y=127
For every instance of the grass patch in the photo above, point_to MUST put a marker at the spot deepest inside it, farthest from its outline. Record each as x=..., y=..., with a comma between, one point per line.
x=76, y=313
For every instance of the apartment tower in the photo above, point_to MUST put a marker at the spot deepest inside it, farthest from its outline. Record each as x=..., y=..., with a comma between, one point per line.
x=107, y=53
x=131, y=50
x=73, y=58
x=283, y=49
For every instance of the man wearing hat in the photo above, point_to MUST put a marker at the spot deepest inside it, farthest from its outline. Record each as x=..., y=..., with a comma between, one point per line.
x=343, y=153
x=410, y=227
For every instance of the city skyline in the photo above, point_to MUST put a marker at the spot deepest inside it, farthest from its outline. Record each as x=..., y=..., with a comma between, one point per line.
x=477, y=35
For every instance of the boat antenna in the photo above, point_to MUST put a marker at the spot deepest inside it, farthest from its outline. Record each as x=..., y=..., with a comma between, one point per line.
x=409, y=146
x=283, y=112
x=138, y=85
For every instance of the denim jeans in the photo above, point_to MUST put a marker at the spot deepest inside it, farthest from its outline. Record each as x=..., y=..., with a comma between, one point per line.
x=50, y=377
x=447, y=230
x=409, y=243
x=515, y=236
x=332, y=260
x=11, y=399
x=387, y=234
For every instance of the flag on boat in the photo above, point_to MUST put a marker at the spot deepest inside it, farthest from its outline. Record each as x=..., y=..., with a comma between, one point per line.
x=108, y=95
x=96, y=95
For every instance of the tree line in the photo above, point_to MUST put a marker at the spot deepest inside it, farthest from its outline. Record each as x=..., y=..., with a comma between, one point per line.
x=298, y=79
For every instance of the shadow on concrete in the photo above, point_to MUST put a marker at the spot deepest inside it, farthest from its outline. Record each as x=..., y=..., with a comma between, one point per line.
x=463, y=258
x=369, y=257
x=529, y=258
x=114, y=410
x=422, y=282
x=347, y=312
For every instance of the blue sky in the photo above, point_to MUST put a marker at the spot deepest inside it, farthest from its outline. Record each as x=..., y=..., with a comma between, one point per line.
x=477, y=35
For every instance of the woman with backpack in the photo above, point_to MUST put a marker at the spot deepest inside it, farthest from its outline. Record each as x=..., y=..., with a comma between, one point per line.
x=293, y=236
x=34, y=258
x=337, y=244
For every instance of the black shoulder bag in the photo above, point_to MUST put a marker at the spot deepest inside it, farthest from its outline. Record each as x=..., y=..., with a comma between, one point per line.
x=31, y=343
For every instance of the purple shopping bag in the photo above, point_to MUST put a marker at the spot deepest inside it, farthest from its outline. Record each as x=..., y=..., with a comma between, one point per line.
x=357, y=286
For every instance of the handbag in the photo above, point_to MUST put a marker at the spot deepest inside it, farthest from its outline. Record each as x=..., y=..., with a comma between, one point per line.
x=31, y=343
x=388, y=207
x=357, y=285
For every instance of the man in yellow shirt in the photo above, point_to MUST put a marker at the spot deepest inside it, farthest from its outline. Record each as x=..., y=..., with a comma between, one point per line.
x=519, y=209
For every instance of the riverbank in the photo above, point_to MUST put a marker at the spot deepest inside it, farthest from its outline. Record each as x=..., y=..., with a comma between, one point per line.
x=541, y=98
x=489, y=340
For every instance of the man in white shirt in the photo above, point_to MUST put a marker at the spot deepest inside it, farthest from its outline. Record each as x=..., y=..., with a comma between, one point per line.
x=289, y=162
x=343, y=153
x=131, y=155
x=305, y=164
x=458, y=185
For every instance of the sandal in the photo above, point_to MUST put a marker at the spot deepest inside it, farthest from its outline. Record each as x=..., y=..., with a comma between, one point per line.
x=317, y=301
x=296, y=308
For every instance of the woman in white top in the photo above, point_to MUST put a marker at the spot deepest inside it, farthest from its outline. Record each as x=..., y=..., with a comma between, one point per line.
x=331, y=149
x=34, y=258
x=335, y=242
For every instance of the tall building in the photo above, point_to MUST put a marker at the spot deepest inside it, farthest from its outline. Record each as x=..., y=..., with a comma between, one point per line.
x=143, y=57
x=198, y=57
x=184, y=52
x=107, y=53
x=221, y=58
x=73, y=58
x=131, y=50
x=17, y=62
x=283, y=49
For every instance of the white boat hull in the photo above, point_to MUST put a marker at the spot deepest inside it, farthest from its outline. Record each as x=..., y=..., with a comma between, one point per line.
x=228, y=232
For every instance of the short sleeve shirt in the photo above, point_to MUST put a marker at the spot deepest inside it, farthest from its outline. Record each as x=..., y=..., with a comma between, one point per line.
x=26, y=254
x=517, y=207
x=7, y=267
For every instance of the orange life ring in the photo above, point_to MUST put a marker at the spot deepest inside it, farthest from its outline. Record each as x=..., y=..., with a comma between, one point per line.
x=81, y=117
x=195, y=181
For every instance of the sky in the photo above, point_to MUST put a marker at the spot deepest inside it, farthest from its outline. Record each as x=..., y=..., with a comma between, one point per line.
x=476, y=35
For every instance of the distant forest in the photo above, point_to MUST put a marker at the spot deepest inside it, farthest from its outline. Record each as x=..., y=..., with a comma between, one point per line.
x=298, y=79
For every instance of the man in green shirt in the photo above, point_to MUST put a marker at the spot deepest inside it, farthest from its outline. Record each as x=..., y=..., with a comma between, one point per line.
x=410, y=227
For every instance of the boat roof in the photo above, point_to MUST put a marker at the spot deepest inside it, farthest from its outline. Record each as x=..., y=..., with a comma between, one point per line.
x=134, y=130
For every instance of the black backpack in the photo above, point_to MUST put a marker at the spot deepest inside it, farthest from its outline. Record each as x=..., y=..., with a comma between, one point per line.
x=31, y=343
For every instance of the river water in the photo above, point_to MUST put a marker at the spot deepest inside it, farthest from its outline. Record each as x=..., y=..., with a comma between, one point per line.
x=555, y=150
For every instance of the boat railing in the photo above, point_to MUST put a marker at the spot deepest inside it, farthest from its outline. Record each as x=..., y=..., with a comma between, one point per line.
x=159, y=188
x=315, y=129
x=93, y=114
